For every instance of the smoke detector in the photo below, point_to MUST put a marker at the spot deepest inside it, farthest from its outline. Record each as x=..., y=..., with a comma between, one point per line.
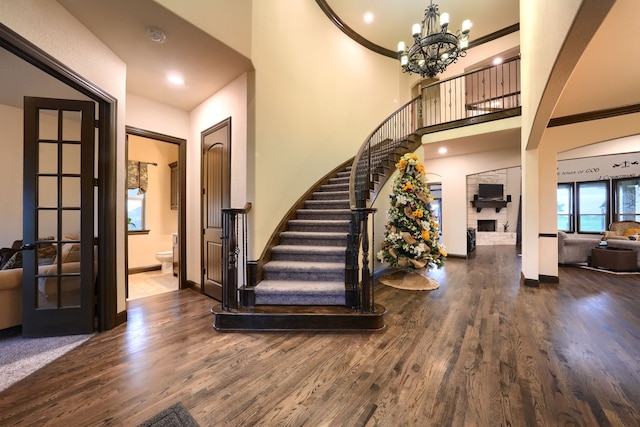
x=156, y=34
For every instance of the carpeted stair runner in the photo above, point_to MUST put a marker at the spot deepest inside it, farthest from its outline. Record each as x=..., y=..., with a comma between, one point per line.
x=307, y=267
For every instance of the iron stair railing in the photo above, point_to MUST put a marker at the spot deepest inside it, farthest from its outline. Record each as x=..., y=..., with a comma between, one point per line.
x=234, y=255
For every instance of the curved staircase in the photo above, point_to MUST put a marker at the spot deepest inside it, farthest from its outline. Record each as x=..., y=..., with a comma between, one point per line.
x=303, y=284
x=307, y=267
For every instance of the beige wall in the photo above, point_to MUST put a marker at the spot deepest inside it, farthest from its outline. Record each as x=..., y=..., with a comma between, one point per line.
x=50, y=27
x=317, y=99
x=227, y=21
x=146, y=114
x=11, y=161
x=232, y=101
x=161, y=220
x=554, y=36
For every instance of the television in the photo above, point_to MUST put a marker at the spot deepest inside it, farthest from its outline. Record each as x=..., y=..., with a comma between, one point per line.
x=490, y=192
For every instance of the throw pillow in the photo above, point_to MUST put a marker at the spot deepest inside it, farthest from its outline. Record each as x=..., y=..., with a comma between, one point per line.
x=46, y=254
x=14, y=262
x=631, y=231
x=6, y=254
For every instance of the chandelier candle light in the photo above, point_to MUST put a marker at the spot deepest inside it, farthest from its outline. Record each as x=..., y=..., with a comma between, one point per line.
x=434, y=48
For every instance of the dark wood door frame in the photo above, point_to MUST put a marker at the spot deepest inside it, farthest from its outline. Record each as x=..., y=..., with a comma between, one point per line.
x=206, y=288
x=182, y=200
x=107, y=314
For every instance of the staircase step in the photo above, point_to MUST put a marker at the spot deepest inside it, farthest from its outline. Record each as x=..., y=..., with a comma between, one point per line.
x=285, y=292
x=344, y=214
x=327, y=204
x=339, y=187
x=339, y=180
x=306, y=238
x=308, y=253
x=331, y=195
x=301, y=271
x=298, y=318
x=319, y=225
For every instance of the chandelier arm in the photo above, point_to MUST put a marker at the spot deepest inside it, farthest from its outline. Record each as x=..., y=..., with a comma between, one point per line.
x=434, y=48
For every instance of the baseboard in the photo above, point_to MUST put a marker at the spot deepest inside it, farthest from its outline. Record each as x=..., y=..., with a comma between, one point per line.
x=121, y=318
x=549, y=279
x=532, y=283
x=144, y=269
x=193, y=285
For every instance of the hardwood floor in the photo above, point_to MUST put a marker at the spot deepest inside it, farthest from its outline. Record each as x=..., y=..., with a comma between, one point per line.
x=481, y=350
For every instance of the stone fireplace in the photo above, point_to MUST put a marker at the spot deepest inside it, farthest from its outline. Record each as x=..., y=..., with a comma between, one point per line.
x=487, y=225
x=489, y=221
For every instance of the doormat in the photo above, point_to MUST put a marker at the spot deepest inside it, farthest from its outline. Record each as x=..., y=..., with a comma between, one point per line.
x=174, y=416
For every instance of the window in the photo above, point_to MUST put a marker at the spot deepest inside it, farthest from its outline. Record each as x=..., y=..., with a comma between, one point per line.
x=565, y=208
x=627, y=194
x=593, y=211
x=135, y=210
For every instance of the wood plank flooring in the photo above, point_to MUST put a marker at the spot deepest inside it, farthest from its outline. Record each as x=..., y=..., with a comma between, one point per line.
x=481, y=350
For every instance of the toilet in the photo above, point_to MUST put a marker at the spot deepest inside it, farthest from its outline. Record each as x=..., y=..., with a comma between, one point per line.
x=166, y=258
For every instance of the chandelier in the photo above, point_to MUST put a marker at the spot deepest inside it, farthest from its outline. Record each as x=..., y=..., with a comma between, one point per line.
x=434, y=48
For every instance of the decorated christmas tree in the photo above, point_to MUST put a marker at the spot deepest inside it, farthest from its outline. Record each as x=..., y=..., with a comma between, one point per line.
x=411, y=238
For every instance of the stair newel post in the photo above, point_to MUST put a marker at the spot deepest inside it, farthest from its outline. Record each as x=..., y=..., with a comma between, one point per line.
x=351, y=268
x=229, y=250
x=367, y=285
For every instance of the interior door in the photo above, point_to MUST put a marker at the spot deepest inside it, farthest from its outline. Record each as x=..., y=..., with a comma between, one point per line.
x=215, y=194
x=58, y=217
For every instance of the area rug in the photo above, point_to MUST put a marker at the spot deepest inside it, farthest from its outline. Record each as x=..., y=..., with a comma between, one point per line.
x=174, y=416
x=19, y=356
x=414, y=280
x=603, y=270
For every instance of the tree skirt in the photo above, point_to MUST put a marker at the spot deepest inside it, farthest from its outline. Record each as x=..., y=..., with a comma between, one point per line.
x=414, y=280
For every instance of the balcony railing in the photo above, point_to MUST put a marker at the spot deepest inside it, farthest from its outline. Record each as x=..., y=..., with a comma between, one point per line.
x=492, y=92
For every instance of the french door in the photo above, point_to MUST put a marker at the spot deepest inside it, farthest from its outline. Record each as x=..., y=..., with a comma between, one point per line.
x=58, y=254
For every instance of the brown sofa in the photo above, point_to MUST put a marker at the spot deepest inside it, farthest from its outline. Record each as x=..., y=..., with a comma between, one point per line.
x=11, y=285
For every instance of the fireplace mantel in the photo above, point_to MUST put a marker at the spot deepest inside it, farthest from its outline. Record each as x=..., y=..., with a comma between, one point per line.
x=497, y=204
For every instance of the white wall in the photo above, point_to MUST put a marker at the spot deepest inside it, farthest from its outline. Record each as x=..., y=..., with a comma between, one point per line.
x=49, y=26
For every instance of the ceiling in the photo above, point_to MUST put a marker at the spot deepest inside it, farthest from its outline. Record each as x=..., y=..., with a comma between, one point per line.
x=196, y=56
x=392, y=20
x=122, y=26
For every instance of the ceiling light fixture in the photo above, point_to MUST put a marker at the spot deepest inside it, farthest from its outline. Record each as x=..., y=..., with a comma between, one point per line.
x=175, y=79
x=434, y=47
x=156, y=34
x=442, y=150
x=368, y=17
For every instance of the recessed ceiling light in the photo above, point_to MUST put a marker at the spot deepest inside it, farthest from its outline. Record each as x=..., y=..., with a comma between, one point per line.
x=497, y=61
x=156, y=34
x=442, y=150
x=368, y=17
x=175, y=79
